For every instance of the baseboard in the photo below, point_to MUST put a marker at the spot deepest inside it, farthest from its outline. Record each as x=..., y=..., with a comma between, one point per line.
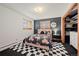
x=9, y=45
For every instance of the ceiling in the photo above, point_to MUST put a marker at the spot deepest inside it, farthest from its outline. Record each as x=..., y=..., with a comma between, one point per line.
x=49, y=10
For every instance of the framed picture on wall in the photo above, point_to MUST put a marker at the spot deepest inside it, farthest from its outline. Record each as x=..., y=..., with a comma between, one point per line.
x=53, y=24
x=44, y=24
x=27, y=24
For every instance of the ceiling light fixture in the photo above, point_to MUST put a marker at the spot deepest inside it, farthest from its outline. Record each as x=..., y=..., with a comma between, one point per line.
x=38, y=9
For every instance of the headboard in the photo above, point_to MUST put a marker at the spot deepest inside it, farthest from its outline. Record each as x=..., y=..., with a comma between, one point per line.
x=45, y=30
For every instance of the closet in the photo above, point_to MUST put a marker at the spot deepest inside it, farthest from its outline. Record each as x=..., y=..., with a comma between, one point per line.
x=70, y=27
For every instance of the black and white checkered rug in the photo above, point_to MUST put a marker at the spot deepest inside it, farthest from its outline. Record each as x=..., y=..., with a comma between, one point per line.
x=57, y=50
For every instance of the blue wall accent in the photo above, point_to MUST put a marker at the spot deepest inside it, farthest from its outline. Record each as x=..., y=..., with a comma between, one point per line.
x=57, y=20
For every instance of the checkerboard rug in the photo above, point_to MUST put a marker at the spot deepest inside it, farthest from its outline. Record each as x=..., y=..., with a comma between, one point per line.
x=57, y=50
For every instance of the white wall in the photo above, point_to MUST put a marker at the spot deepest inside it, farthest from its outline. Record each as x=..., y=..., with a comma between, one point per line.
x=11, y=27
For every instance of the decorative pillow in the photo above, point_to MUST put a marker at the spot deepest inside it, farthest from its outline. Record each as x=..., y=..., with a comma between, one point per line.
x=37, y=37
x=40, y=40
x=34, y=41
x=45, y=41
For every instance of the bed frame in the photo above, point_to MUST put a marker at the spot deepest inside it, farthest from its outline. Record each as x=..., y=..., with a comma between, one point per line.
x=37, y=45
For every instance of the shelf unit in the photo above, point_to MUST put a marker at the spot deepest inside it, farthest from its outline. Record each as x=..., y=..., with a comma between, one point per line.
x=70, y=22
x=70, y=25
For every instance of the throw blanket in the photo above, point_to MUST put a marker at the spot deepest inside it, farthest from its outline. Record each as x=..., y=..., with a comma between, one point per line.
x=41, y=39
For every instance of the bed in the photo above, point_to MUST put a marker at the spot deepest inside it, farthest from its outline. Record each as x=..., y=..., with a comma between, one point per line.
x=38, y=40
